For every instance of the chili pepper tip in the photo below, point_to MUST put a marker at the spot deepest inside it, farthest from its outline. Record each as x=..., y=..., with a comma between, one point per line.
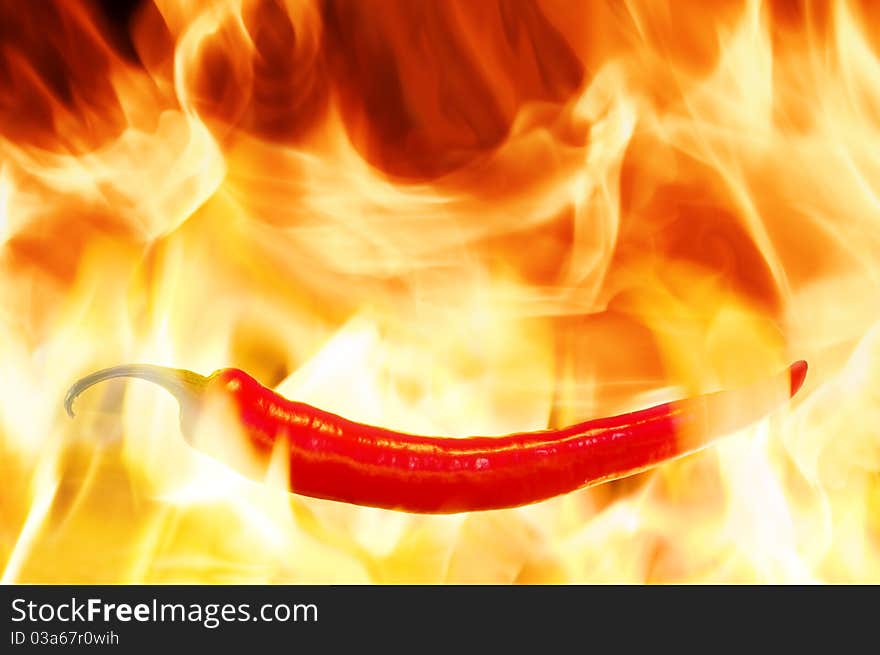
x=797, y=372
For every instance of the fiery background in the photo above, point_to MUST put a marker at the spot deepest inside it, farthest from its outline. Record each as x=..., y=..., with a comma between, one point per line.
x=449, y=217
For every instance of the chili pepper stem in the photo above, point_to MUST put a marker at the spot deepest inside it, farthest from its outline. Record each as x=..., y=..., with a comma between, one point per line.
x=186, y=386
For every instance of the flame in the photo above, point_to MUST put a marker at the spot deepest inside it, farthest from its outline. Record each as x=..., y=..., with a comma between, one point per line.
x=453, y=218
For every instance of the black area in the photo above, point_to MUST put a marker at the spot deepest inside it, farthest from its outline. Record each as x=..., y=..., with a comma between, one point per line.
x=475, y=619
x=118, y=14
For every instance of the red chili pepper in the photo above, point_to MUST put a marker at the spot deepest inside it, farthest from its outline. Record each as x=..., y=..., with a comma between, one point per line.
x=334, y=458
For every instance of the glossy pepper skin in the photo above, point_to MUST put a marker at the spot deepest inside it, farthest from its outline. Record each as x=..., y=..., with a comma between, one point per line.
x=334, y=458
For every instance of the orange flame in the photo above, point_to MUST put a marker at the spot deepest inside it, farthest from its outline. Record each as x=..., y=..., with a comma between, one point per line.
x=445, y=217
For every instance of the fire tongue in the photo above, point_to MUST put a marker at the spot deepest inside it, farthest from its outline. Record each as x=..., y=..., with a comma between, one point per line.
x=335, y=458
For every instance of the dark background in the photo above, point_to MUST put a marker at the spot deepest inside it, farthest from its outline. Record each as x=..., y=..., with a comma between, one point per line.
x=119, y=14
